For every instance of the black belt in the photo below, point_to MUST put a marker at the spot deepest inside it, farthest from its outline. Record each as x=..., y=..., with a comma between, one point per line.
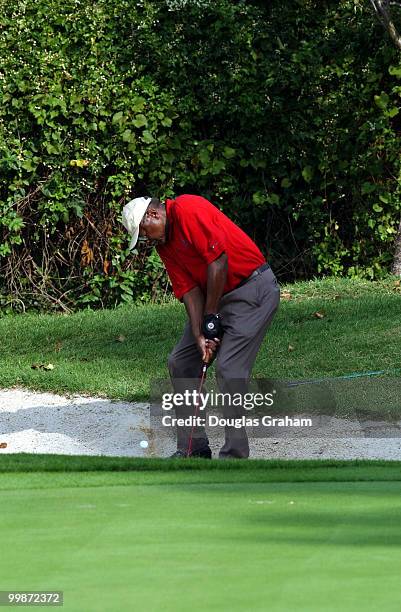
x=256, y=272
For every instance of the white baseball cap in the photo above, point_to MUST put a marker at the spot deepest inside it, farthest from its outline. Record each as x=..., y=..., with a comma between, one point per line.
x=133, y=213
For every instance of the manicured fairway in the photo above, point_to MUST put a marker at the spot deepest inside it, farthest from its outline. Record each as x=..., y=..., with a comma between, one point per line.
x=205, y=539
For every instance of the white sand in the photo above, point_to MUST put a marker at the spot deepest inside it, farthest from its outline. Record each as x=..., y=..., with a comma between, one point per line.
x=34, y=422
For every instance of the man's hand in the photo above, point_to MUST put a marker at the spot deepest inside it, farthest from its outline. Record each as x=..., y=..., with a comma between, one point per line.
x=207, y=348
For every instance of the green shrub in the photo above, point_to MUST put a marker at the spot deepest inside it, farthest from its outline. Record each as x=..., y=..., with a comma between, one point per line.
x=285, y=114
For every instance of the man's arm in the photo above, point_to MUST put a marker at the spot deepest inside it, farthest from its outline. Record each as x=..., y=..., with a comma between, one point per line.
x=195, y=304
x=216, y=280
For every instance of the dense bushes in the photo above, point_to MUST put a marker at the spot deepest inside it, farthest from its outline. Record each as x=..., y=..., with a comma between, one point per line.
x=285, y=114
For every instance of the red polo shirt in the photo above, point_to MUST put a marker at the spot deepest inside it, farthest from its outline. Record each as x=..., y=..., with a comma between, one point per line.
x=198, y=233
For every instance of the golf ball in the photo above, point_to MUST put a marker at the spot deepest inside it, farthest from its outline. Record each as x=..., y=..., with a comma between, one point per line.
x=144, y=444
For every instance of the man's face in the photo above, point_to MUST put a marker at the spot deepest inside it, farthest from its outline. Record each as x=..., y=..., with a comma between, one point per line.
x=152, y=228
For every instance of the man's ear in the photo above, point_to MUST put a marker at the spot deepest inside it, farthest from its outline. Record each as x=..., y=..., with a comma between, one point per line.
x=152, y=212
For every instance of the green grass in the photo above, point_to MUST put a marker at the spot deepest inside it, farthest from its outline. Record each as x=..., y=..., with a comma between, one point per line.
x=332, y=288
x=263, y=470
x=360, y=331
x=117, y=533
x=26, y=471
x=168, y=540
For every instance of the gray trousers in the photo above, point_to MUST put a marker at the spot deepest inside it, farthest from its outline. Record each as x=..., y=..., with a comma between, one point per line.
x=246, y=313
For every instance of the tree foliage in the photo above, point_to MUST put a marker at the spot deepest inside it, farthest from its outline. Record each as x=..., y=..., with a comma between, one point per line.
x=285, y=114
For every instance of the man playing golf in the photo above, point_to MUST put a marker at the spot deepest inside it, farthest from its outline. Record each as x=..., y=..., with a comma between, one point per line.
x=230, y=294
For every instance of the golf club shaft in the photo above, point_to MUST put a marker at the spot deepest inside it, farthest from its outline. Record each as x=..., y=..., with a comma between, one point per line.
x=202, y=380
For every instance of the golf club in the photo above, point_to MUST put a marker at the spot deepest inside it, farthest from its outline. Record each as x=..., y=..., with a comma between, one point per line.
x=205, y=365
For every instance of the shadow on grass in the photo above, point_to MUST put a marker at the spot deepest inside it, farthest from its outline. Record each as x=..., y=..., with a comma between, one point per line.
x=338, y=527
